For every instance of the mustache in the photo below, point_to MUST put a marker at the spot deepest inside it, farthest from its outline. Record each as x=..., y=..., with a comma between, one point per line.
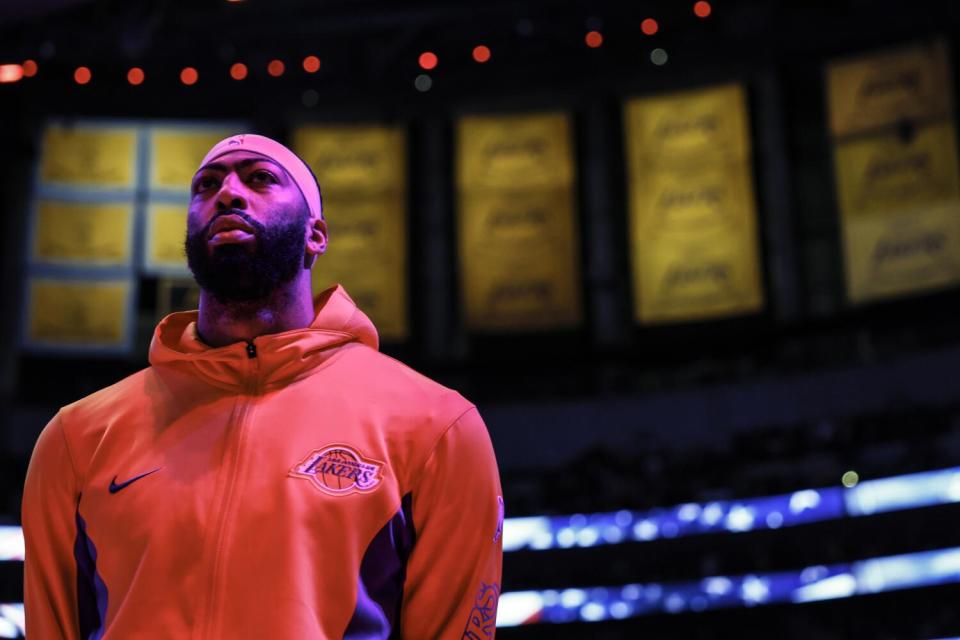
x=257, y=226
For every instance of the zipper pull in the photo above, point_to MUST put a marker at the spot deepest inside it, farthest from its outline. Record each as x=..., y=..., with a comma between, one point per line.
x=251, y=350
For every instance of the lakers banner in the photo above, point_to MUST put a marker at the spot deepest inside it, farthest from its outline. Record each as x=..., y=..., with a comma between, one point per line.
x=519, y=259
x=354, y=158
x=700, y=127
x=902, y=252
x=693, y=242
x=900, y=211
x=91, y=233
x=175, y=155
x=517, y=228
x=693, y=229
x=367, y=255
x=166, y=230
x=74, y=313
x=514, y=152
x=879, y=90
x=89, y=156
x=890, y=171
x=363, y=176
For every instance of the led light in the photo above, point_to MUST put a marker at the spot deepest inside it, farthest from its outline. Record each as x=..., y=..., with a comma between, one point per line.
x=276, y=68
x=481, y=53
x=82, y=75
x=238, y=71
x=10, y=73
x=189, y=76
x=850, y=479
x=658, y=57
x=29, y=68
x=428, y=60
x=135, y=76
x=649, y=27
x=594, y=39
x=423, y=83
x=702, y=9
x=311, y=64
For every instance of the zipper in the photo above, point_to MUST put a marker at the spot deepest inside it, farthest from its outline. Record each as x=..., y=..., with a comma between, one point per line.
x=223, y=522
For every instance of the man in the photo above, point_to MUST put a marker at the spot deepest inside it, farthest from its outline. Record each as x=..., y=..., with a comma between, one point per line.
x=271, y=474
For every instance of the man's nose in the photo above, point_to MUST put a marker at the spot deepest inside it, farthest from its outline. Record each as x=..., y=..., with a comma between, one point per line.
x=230, y=195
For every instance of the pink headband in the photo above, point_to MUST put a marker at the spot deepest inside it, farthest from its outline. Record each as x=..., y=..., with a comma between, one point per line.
x=291, y=162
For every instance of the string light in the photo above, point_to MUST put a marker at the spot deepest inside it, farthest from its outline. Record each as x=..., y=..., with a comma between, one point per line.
x=428, y=60
x=593, y=39
x=189, y=76
x=29, y=68
x=481, y=53
x=135, y=76
x=311, y=64
x=276, y=68
x=238, y=71
x=702, y=9
x=649, y=27
x=82, y=75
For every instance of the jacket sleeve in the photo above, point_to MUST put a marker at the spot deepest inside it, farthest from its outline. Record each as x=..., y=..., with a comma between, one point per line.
x=453, y=573
x=50, y=497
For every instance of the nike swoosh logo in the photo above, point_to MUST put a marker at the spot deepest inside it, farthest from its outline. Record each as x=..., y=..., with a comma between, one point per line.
x=114, y=487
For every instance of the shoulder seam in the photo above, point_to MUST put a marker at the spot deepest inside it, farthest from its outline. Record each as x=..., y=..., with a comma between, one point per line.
x=433, y=447
x=61, y=422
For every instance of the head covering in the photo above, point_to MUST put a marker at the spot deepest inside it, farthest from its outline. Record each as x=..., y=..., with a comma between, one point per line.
x=296, y=168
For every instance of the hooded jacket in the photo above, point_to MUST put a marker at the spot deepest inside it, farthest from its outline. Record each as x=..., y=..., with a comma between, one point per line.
x=301, y=485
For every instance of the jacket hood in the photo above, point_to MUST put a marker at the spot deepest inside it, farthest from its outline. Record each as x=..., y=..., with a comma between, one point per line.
x=280, y=357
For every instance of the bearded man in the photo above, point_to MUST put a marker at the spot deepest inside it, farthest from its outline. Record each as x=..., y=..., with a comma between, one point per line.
x=270, y=474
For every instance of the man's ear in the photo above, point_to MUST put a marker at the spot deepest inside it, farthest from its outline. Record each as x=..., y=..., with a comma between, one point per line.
x=316, y=240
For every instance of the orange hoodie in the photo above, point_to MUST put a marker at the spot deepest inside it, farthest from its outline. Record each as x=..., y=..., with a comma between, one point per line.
x=302, y=485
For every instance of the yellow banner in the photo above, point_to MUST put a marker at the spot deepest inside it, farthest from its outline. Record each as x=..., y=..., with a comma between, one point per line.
x=519, y=259
x=89, y=156
x=97, y=233
x=175, y=155
x=878, y=90
x=692, y=127
x=363, y=159
x=902, y=252
x=514, y=152
x=694, y=244
x=166, y=231
x=888, y=172
x=80, y=313
x=367, y=255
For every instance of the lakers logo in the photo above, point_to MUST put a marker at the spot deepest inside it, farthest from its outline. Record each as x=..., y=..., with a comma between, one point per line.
x=339, y=469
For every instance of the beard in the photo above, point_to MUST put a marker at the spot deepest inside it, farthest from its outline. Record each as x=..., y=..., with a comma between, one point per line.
x=243, y=273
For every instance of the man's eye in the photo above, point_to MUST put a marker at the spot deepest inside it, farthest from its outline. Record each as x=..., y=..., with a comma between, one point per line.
x=262, y=177
x=204, y=183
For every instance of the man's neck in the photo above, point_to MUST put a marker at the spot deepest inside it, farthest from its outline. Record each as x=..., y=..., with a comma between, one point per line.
x=288, y=307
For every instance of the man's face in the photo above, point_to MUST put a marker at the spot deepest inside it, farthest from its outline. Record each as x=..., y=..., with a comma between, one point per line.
x=246, y=227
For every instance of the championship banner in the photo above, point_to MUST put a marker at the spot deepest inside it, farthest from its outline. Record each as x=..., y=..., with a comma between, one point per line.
x=166, y=231
x=519, y=259
x=887, y=172
x=363, y=179
x=514, y=152
x=693, y=240
x=87, y=233
x=879, y=90
x=79, y=313
x=354, y=158
x=900, y=211
x=519, y=256
x=693, y=228
x=367, y=255
x=102, y=157
x=703, y=126
x=175, y=155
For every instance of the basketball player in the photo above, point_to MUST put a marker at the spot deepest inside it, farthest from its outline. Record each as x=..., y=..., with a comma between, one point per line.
x=271, y=474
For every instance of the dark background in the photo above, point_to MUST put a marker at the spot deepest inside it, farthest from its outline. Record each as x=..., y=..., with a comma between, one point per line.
x=612, y=415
